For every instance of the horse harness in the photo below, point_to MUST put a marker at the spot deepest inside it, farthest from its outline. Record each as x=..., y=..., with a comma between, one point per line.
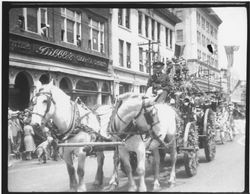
x=132, y=128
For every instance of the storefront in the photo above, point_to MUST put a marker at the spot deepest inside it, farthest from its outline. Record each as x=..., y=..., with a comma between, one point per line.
x=77, y=73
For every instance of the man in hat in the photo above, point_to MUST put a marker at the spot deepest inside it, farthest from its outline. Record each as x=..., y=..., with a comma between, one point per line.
x=160, y=83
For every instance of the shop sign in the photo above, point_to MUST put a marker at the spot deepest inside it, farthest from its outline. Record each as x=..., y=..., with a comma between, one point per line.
x=32, y=47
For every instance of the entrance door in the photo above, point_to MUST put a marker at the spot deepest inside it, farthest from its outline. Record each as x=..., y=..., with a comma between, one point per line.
x=19, y=96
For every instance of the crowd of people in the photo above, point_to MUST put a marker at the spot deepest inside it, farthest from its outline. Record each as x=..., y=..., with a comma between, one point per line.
x=26, y=143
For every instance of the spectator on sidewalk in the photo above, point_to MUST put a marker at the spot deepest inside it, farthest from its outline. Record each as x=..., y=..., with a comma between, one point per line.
x=29, y=140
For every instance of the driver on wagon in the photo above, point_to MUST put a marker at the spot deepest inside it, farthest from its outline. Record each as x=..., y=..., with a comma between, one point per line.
x=160, y=83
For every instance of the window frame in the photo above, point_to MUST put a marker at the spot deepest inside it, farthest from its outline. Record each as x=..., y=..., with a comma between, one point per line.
x=101, y=34
x=38, y=17
x=121, y=52
x=76, y=19
x=128, y=53
x=139, y=22
x=177, y=36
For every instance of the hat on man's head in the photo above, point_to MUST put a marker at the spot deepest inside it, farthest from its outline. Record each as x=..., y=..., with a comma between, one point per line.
x=158, y=65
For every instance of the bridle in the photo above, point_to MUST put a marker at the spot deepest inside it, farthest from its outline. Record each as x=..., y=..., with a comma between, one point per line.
x=132, y=124
x=49, y=101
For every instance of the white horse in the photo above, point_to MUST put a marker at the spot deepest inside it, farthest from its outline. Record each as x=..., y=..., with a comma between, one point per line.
x=134, y=114
x=50, y=102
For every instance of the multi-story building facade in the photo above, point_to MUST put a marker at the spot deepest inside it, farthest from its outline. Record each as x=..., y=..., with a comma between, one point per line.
x=139, y=37
x=199, y=28
x=69, y=45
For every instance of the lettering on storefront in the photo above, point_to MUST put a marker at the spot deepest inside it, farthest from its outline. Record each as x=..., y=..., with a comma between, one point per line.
x=45, y=50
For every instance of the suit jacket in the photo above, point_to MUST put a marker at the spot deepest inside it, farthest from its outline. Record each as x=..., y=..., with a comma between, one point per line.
x=160, y=81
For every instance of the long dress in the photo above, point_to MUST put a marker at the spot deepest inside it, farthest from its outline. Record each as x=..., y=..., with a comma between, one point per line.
x=28, y=139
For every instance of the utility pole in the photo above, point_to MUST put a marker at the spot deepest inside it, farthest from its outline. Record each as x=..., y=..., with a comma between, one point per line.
x=149, y=53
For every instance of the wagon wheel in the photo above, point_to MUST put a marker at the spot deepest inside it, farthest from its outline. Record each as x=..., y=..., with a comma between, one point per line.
x=209, y=131
x=191, y=159
x=133, y=163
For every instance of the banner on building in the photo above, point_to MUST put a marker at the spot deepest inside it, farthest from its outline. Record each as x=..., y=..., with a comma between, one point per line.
x=230, y=54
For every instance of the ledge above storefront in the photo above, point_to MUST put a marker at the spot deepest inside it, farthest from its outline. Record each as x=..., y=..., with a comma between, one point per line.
x=37, y=48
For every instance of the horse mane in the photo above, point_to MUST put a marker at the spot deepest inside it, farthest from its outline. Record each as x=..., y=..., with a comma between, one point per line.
x=56, y=92
x=129, y=95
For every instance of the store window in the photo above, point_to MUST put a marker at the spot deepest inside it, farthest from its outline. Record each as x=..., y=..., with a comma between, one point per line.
x=158, y=32
x=167, y=31
x=153, y=29
x=171, y=39
x=143, y=89
x=124, y=87
x=96, y=33
x=70, y=26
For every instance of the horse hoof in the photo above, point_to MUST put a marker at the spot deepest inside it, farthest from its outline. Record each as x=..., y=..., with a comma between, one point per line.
x=171, y=184
x=82, y=188
x=97, y=183
x=142, y=189
x=156, y=187
x=132, y=189
x=111, y=187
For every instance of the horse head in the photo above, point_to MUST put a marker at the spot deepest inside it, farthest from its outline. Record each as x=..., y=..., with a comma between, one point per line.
x=45, y=102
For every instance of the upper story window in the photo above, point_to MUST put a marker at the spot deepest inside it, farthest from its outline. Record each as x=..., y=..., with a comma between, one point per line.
x=36, y=20
x=146, y=26
x=198, y=18
x=128, y=55
x=199, y=54
x=139, y=22
x=215, y=34
x=158, y=32
x=124, y=17
x=127, y=18
x=96, y=35
x=121, y=42
x=153, y=29
x=198, y=37
x=179, y=35
x=203, y=40
x=120, y=16
x=207, y=27
x=167, y=37
x=203, y=22
x=141, y=66
x=70, y=26
x=211, y=30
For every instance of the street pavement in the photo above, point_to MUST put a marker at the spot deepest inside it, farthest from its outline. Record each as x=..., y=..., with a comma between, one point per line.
x=225, y=174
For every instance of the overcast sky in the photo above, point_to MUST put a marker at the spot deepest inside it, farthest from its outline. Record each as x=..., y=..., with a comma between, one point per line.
x=233, y=31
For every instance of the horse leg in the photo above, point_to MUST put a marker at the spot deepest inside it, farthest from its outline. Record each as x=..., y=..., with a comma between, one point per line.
x=80, y=171
x=141, y=157
x=113, y=183
x=99, y=173
x=71, y=170
x=157, y=169
x=125, y=157
x=173, y=157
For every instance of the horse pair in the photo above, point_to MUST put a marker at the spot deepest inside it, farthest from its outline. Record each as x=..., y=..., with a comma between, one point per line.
x=131, y=116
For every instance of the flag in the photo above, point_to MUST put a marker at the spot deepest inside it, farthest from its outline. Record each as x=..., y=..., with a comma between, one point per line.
x=230, y=54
